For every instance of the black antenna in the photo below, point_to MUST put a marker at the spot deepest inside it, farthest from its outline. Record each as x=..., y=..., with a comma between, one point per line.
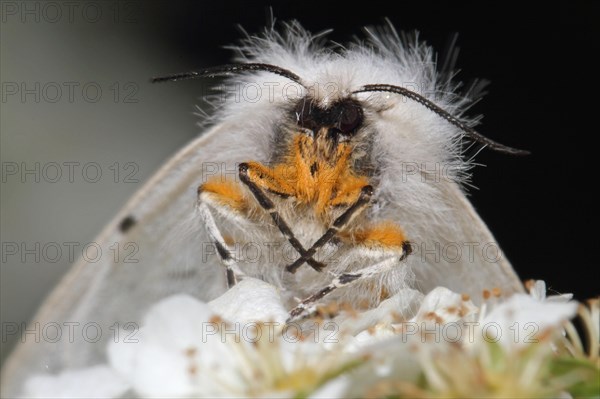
x=230, y=69
x=444, y=114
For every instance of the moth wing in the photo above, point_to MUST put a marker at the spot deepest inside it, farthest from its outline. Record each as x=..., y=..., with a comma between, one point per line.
x=480, y=264
x=452, y=246
x=160, y=254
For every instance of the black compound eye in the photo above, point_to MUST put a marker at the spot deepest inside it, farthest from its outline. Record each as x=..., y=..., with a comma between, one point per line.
x=306, y=114
x=345, y=117
x=350, y=117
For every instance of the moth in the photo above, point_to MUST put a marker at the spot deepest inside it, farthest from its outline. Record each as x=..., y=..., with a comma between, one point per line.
x=341, y=181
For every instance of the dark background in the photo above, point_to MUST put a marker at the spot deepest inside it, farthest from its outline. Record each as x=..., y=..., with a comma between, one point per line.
x=539, y=62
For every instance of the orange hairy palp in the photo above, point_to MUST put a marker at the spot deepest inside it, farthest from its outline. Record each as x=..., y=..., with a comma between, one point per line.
x=384, y=235
x=317, y=173
x=229, y=193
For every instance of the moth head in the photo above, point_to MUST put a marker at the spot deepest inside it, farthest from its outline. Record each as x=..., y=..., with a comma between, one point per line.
x=339, y=121
x=342, y=118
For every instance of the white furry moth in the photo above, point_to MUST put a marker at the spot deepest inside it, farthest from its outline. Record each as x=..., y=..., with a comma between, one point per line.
x=340, y=177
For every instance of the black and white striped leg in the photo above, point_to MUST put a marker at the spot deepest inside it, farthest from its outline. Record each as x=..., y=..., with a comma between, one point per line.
x=342, y=221
x=308, y=306
x=225, y=253
x=266, y=203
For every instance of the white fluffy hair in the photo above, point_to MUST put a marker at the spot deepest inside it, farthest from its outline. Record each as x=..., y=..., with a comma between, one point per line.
x=412, y=148
x=384, y=57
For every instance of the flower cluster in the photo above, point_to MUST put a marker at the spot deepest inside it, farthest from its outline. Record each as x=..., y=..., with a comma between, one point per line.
x=412, y=345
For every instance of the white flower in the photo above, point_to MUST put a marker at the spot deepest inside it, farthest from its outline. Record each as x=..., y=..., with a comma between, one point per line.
x=443, y=306
x=499, y=364
x=170, y=357
x=239, y=345
x=251, y=300
x=521, y=320
x=537, y=290
x=93, y=382
x=187, y=348
x=400, y=307
x=412, y=314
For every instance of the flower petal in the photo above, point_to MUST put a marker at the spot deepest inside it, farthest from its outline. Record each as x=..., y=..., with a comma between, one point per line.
x=178, y=320
x=537, y=290
x=94, y=382
x=521, y=319
x=332, y=389
x=178, y=342
x=251, y=300
x=443, y=306
x=401, y=306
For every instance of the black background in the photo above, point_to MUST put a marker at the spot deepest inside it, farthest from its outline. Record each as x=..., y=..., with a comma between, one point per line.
x=541, y=97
